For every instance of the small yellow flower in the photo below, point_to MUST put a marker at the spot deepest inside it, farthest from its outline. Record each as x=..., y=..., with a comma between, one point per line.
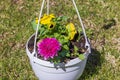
x=46, y=19
x=36, y=20
x=71, y=31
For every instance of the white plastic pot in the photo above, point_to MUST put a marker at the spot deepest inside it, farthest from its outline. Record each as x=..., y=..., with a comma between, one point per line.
x=45, y=70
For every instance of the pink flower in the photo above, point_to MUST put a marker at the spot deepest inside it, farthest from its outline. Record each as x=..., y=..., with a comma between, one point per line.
x=48, y=48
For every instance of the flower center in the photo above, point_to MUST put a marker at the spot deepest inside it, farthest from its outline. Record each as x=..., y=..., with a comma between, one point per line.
x=51, y=26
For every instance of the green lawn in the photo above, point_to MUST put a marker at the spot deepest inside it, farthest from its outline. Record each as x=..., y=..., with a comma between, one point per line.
x=101, y=16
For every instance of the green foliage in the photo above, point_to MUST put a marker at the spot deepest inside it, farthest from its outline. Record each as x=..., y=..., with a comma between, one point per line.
x=57, y=31
x=34, y=25
x=76, y=53
x=75, y=48
x=64, y=52
x=56, y=59
x=81, y=56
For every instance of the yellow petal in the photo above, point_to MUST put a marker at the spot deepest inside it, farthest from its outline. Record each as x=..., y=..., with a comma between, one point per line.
x=46, y=19
x=36, y=20
x=70, y=27
x=71, y=35
x=52, y=15
x=71, y=31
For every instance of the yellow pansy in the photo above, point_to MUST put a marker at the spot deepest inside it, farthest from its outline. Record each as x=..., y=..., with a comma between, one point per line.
x=71, y=31
x=46, y=19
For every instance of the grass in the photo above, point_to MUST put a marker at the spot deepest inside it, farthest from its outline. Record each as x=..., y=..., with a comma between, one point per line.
x=101, y=16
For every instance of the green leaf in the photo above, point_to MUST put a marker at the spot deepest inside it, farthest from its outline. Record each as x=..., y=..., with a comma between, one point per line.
x=66, y=39
x=59, y=19
x=42, y=32
x=66, y=47
x=79, y=30
x=63, y=53
x=81, y=56
x=68, y=54
x=64, y=18
x=56, y=35
x=34, y=25
x=75, y=48
x=56, y=60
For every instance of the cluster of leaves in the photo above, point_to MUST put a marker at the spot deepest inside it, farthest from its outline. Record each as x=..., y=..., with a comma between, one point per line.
x=59, y=31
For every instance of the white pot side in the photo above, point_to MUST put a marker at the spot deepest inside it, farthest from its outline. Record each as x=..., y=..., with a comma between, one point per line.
x=46, y=70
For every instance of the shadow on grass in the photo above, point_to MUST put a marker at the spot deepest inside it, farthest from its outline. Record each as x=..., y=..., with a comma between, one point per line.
x=109, y=23
x=92, y=66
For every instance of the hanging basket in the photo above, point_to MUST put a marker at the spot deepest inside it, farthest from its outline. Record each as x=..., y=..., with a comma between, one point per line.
x=46, y=70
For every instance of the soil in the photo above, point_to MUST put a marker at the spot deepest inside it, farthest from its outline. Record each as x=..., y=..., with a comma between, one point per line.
x=31, y=44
